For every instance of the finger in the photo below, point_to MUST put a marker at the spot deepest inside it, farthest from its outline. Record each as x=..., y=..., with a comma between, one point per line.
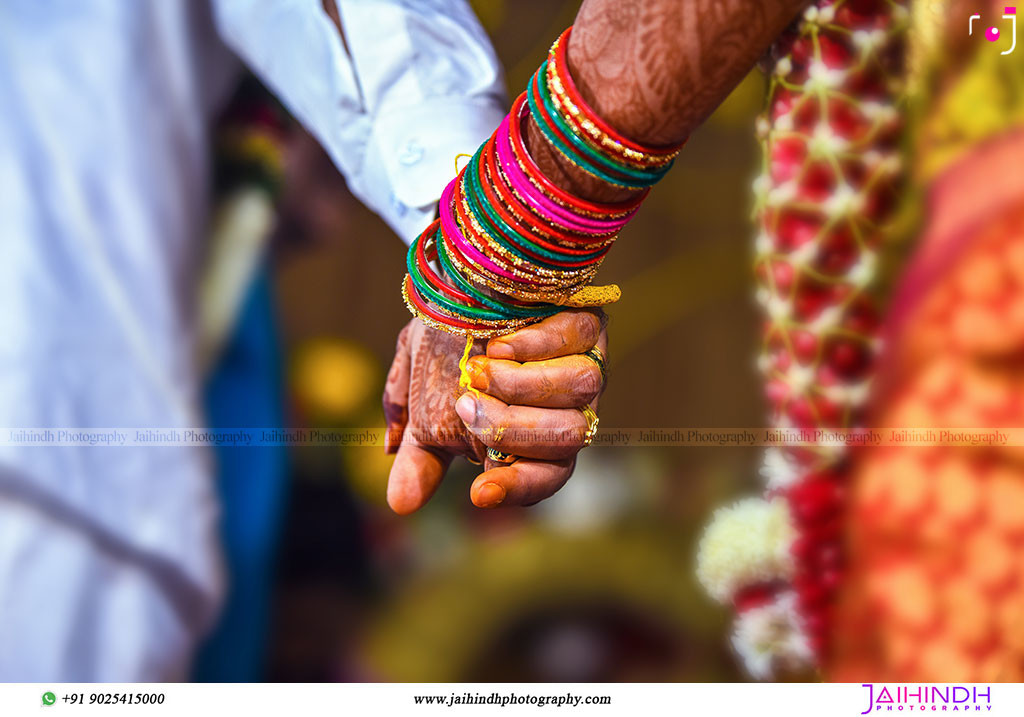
x=564, y=382
x=524, y=482
x=545, y=433
x=396, y=392
x=565, y=333
x=415, y=475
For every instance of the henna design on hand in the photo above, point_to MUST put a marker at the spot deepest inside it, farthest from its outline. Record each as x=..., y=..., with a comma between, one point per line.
x=421, y=390
x=655, y=69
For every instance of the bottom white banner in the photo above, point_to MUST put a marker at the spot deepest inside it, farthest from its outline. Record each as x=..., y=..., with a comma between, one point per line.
x=791, y=700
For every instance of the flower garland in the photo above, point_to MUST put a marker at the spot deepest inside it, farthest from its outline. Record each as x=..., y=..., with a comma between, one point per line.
x=831, y=167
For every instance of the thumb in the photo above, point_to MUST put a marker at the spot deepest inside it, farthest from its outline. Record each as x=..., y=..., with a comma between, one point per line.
x=415, y=475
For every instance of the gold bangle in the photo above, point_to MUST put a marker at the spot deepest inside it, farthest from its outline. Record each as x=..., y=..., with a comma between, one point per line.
x=480, y=333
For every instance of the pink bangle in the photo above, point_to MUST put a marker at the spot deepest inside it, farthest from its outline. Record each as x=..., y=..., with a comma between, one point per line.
x=450, y=229
x=539, y=201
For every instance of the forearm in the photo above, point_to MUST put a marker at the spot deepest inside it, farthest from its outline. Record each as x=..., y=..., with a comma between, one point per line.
x=655, y=69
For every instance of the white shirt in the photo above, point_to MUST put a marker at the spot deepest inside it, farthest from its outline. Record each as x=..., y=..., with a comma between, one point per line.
x=104, y=132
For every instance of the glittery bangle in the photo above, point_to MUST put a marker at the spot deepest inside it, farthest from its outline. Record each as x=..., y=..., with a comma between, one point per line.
x=511, y=246
x=591, y=122
x=593, y=159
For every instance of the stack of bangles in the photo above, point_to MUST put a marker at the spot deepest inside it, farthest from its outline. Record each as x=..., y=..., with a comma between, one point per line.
x=510, y=247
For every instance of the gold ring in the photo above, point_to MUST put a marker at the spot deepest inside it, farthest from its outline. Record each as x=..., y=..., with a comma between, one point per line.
x=592, y=421
x=499, y=457
x=597, y=357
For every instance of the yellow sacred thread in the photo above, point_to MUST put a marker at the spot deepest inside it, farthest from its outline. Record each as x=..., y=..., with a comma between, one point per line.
x=463, y=372
x=461, y=154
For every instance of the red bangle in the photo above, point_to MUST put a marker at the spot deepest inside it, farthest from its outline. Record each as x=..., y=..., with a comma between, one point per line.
x=553, y=127
x=425, y=308
x=556, y=193
x=485, y=245
x=435, y=281
x=499, y=184
x=561, y=63
x=534, y=231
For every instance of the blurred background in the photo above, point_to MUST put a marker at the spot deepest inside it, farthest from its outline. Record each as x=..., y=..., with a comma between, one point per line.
x=596, y=583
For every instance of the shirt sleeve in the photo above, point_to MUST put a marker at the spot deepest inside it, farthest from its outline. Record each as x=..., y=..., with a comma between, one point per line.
x=413, y=84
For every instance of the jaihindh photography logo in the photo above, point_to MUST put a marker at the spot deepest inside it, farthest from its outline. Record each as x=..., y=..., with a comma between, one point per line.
x=926, y=698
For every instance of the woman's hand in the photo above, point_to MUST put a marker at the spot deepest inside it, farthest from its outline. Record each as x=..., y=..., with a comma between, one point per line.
x=531, y=386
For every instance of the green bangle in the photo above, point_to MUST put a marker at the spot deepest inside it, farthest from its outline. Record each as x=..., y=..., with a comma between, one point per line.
x=495, y=233
x=424, y=287
x=585, y=156
x=580, y=142
x=647, y=176
x=476, y=198
x=465, y=285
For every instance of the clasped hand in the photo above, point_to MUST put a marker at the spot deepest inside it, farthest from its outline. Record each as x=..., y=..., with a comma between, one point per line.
x=527, y=391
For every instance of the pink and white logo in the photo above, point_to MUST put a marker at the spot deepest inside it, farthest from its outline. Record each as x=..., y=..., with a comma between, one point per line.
x=928, y=698
x=993, y=33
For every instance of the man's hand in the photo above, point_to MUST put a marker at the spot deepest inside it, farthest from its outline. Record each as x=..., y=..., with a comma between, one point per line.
x=531, y=379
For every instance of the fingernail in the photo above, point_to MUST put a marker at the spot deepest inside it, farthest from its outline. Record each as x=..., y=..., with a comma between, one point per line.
x=477, y=375
x=466, y=408
x=490, y=495
x=500, y=350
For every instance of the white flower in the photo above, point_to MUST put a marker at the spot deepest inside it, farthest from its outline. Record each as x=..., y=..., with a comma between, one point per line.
x=745, y=543
x=761, y=185
x=763, y=244
x=782, y=193
x=827, y=319
x=843, y=201
x=863, y=270
x=783, y=67
x=862, y=40
x=854, y=394
x=784, y=122
x=799, y=377
x=820, y=77
x=778, y=470
x=825, y=141
x=892, y=165
x=820, y=15
x=880, y=113
x=868, y=40
x=872, y=158
x=804, y=254
x=779, y=308
x=769, y=637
